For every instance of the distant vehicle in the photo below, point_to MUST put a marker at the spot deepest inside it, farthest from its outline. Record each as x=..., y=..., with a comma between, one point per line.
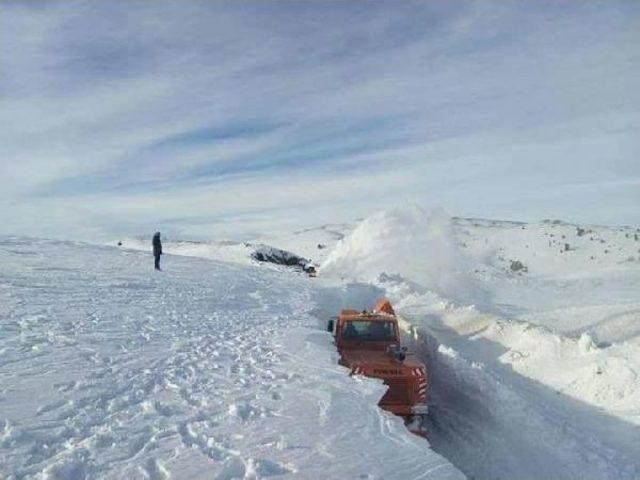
x=369, y=344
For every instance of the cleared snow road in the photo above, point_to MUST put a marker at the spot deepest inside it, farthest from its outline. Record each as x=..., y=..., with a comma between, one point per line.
x=206, y=370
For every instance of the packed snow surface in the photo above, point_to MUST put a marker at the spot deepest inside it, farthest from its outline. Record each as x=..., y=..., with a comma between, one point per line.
x=206, y=370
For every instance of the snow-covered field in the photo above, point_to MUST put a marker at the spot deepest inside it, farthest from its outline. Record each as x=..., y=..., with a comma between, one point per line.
x=218, y=367
x=206, y=370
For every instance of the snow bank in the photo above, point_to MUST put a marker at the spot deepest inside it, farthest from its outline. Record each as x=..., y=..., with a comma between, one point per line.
x=419, y=246
x=493, y=423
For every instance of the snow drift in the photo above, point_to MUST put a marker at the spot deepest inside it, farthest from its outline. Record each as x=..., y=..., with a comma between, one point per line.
x=522, y=429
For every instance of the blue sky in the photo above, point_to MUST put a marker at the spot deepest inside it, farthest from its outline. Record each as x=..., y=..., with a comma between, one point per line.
x=227, y=119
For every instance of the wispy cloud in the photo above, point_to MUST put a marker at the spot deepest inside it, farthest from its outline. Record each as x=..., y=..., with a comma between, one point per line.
x=230, y=117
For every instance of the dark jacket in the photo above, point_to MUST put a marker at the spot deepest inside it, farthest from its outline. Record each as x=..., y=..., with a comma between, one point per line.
x=157, y=245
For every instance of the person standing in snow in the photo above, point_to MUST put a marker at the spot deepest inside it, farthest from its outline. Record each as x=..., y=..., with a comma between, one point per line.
x=157, y=249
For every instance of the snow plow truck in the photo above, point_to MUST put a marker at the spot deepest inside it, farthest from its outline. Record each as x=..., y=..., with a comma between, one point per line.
x=369, y=344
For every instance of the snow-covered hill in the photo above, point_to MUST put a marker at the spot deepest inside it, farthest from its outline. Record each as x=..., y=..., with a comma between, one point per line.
x=219, y=368
x=206, y=370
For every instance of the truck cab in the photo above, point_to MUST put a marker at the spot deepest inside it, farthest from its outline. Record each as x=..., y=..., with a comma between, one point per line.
x=369, y=344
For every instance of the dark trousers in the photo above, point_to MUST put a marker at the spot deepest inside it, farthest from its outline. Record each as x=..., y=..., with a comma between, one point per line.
x=157, y=263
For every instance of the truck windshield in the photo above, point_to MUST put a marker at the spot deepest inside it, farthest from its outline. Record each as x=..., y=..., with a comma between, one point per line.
x=364, y=330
